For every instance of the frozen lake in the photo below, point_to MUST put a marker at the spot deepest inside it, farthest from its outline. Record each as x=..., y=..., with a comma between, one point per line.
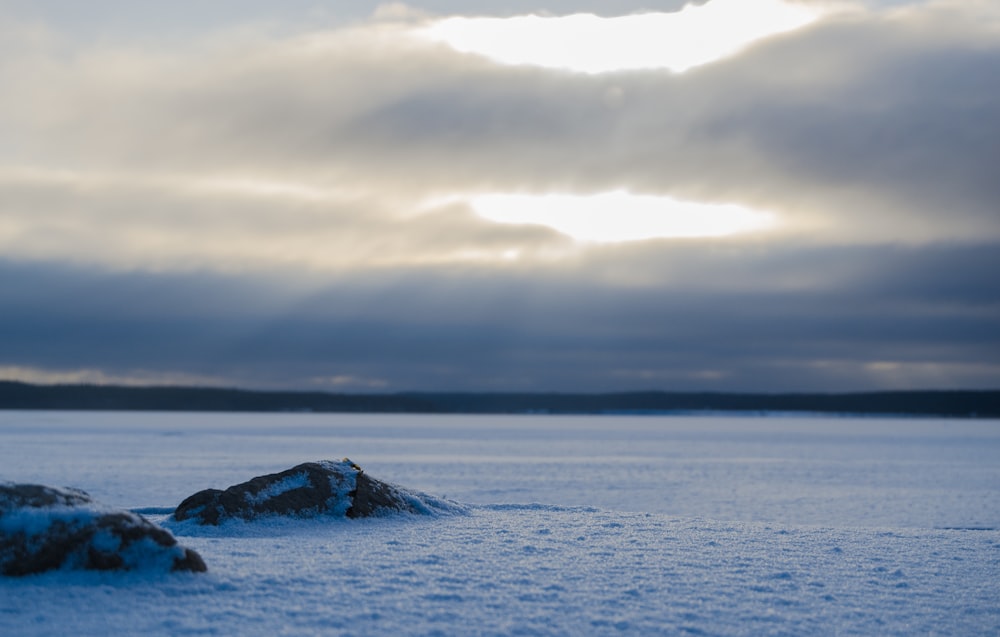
x=839, y=472
x=578, y=525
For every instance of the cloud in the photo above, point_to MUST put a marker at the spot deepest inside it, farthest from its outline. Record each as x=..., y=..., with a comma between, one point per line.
x=678, y=40
x=287, y=211
x=186, y=223
x=84, y=376
x=865, y=127
x=733, y=318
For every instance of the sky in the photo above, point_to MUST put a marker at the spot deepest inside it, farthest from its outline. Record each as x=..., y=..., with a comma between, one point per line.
x=736, y=195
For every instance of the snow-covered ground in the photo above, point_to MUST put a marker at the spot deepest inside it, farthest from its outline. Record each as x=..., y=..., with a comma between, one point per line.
x=572, y=526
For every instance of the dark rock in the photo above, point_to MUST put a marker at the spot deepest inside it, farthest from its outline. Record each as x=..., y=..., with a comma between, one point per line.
x=44, y=528
x=337, y=489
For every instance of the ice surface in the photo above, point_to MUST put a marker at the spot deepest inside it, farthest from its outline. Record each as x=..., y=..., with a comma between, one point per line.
x=577, y=526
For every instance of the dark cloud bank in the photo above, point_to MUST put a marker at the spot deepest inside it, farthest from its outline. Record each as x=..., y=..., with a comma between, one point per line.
x=821, y=319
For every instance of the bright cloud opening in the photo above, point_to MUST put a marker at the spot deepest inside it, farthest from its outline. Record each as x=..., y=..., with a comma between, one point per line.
x=695, y=35
x=620, y=216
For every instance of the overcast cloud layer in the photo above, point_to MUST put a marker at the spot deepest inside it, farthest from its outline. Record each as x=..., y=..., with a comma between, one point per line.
x=273, y=200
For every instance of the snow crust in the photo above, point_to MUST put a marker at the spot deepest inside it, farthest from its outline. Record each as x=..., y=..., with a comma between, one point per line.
x=36, y=521
x=296, y=481
x=569, y=526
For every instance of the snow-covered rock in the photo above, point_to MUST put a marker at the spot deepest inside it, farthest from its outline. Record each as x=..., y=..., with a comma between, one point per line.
x=329, y=488
x=44, y=528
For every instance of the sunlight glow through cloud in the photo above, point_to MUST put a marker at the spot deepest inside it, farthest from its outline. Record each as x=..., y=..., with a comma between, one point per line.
x=620, y=216
x=695, y=35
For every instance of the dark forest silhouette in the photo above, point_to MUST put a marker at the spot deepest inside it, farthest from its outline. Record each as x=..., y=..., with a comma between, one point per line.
x=17, y=395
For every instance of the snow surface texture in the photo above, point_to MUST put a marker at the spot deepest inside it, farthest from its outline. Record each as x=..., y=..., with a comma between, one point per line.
x=718, y=526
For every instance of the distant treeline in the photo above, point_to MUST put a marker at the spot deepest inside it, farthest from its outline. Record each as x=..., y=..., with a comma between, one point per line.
x=16, y=395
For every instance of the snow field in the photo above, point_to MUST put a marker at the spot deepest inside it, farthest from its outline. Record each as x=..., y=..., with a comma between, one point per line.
x=536, y=570
x=647, y=526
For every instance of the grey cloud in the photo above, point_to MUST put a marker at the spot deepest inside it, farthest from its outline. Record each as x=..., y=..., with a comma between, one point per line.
x=482, y=329
x=919, y=130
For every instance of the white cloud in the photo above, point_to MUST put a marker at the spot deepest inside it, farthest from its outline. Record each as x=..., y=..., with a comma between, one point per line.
x=621, y=216
x=695, y=35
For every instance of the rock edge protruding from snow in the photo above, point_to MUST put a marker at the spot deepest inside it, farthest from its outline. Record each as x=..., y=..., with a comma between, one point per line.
x=312, y=489
x=45, y=528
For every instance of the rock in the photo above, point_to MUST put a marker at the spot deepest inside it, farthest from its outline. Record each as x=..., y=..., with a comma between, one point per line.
x=327, y=488
x=44, y=528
